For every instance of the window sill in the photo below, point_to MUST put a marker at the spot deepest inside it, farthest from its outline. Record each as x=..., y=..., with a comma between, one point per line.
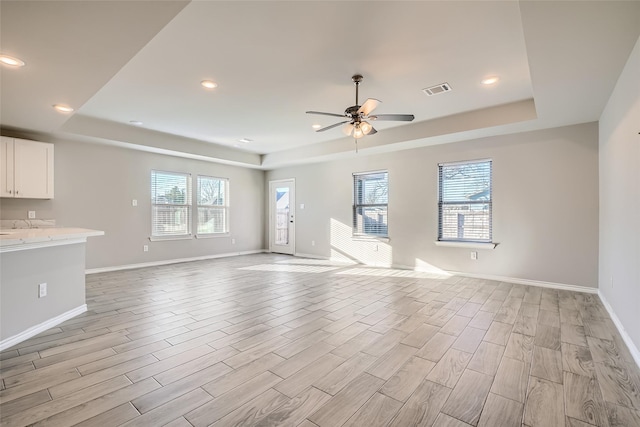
x=160, y=239
x=468, y=245
x=212, y=235
x=365, y=238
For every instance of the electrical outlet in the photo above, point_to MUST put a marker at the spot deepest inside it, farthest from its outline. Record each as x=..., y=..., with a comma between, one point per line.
x=42, y=290
x=134, y=202
x=233, y=241
x=313, y=243
x=145, y=248
x=474, y=255
x=611, y=281
x=32, y=215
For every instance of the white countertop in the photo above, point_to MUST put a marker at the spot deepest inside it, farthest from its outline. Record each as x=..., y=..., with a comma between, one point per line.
x=42, y=236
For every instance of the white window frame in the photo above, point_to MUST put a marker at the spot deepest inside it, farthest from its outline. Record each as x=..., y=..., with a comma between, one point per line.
x=224, y=207
x=187, y=204
x=463, y=241
x=358, y=204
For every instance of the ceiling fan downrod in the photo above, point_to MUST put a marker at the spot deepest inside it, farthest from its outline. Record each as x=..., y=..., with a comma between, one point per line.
x=357, y=78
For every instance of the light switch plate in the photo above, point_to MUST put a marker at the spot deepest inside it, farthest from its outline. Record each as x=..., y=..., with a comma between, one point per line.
x=32, y=215
x=42, y=290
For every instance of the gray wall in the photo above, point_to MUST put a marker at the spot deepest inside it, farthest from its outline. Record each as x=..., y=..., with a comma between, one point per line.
x=620, y=198
x=60, y=267
x=94, y=187
x=545, y=207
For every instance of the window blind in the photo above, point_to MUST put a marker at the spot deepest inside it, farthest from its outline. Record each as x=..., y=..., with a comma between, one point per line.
x=464, y=201
x=370, y=202
x=171, y=204
x=213, y=205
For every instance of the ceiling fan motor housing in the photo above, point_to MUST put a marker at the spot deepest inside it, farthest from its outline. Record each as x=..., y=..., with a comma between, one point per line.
x=352, y=112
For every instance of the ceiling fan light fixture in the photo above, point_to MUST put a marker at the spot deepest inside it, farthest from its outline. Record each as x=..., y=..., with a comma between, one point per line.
x=357, y=132
x=316, y=126
x=366, y=128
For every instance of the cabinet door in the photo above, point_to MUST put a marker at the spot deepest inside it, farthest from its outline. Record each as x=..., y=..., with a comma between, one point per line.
x=33, y=169
x=6, y=167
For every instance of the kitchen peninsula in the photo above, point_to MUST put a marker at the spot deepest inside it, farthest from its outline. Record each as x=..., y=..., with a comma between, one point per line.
x=42, y=279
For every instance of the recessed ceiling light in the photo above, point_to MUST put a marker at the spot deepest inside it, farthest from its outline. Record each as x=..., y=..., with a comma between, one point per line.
x=245, y=140
x=209, y=84
x=490, y=80
x=11, y=61
x=63, y=108
x=316, y=126
x=135, y=122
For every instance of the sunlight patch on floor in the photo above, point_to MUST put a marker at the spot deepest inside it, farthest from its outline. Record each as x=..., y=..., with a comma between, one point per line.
x=290, y=268
x=383, y=272
x=311, y=261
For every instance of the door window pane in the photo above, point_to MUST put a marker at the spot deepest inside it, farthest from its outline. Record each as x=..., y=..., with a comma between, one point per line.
x=282, y=216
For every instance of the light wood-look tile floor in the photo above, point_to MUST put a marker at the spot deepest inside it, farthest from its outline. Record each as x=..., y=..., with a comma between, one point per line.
x=272, y=340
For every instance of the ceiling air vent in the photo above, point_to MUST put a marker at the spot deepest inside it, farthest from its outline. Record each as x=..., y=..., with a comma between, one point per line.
x=435, y=90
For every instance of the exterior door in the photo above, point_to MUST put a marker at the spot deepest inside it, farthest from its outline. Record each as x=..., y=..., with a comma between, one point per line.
x=282, y=209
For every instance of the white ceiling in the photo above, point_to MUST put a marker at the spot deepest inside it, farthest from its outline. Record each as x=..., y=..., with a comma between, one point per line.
x=119, y=61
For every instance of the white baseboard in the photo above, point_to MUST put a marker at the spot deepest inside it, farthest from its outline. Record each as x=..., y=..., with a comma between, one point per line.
x=529, y=282
x=433, y=270
x=312, y=256
x=169, y=261
x=623, y=332
x=35, y=330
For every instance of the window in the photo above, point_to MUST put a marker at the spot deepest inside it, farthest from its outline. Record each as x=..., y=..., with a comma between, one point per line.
x=213, y=205
x=370, y=199
x=171, y=204
x=464, y=201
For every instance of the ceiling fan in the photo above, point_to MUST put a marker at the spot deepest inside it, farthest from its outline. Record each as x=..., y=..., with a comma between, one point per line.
x=358, y=116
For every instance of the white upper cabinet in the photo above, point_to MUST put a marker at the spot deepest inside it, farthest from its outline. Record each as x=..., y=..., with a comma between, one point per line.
x=26, y=169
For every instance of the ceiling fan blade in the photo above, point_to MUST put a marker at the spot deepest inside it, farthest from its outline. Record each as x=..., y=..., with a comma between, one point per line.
x=394, y=117
x=372, y=131
x=368, y=106
x=325, y=114
x=347, y=129
x=331, y=126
